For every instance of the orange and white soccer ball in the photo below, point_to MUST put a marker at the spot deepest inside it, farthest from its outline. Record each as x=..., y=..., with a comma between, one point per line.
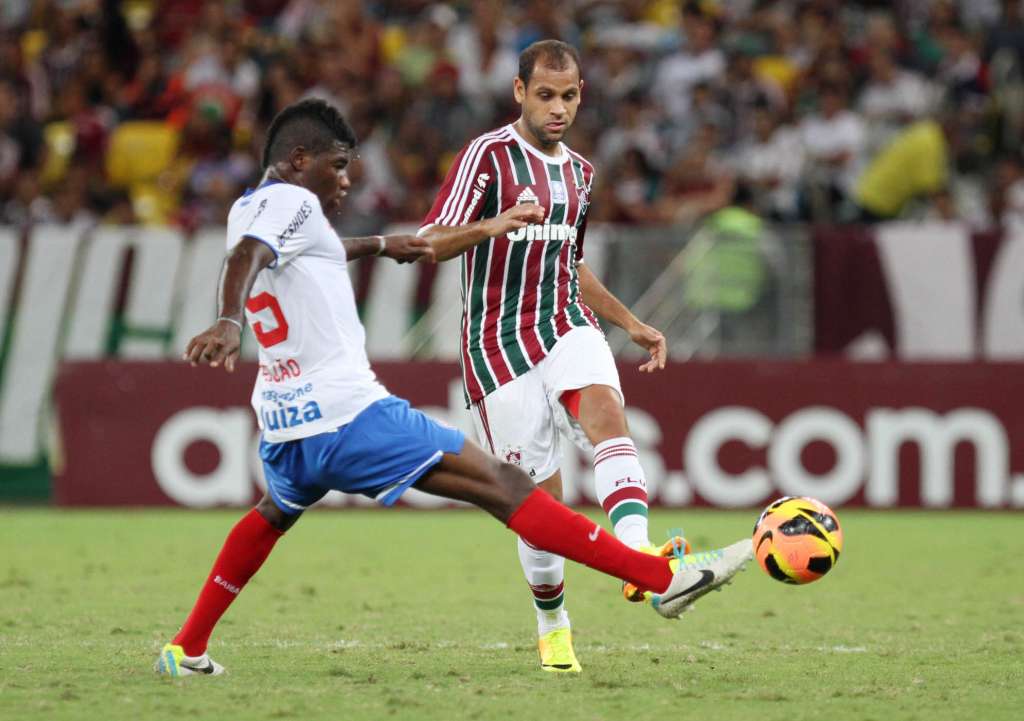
x=797, y=540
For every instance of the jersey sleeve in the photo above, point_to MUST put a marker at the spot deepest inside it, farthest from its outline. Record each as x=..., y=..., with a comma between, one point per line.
x=461, y=197
x=285, y=221
x=580, y=232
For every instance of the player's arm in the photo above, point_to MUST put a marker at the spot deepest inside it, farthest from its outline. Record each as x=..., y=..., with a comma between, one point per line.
x=607, y=306
x=221, y=341
x=451, y=241
x=403, y=248
x=454, y=223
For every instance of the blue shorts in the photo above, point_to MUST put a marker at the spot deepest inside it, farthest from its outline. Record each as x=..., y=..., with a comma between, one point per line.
x=380, y=453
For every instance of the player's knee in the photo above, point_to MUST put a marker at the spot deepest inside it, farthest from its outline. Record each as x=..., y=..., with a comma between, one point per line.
x=275, y=516
x=515, y=485
x=603, y=417
x=553, y=486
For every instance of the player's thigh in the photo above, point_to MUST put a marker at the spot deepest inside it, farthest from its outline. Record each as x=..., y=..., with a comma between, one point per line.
x=580, y=359
x=475, y=476
x=516, y=424
x=384, y=450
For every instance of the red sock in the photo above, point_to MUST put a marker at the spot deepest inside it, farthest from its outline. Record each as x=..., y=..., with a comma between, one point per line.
x=244, y=551
x=544, y=522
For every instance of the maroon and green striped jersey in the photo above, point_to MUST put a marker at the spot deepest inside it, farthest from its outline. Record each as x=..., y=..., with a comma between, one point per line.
x=520, y=291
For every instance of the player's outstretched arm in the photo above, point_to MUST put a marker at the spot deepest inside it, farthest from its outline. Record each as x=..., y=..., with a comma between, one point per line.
x=220, y=342
x=403, y=248
x=451, y=241
x=607, y=306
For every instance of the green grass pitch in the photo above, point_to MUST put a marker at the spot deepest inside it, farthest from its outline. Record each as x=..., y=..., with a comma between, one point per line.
x=413, y=615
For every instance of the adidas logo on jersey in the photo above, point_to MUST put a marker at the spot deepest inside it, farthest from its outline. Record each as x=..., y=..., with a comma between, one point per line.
x=548, y=231
x=527, y=196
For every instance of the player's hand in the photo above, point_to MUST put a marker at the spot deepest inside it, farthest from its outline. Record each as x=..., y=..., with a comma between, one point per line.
x=516, y=217
x=408, y=248
x=653, y=342
x=217, y=344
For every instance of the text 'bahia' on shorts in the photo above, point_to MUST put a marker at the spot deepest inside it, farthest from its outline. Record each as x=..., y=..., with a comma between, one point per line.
x=380, y=453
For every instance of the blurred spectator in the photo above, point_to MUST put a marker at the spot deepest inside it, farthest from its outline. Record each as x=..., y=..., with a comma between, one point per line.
x=914, y=165
x=445, y=110
x=700, y=60
x=770, y=163
x=632, y=130
x=425, y=45
x=482, y=48
x=892, y=97
x=1007, y=33
x=960, y=70
x=835, y=140
x=630, y=197
x=1007, y=197
x=696, y=182
x=26, y=205
x=21, y=144
x=745, y=91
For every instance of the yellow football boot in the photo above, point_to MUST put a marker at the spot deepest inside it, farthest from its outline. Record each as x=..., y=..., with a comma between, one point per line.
x=556, y=654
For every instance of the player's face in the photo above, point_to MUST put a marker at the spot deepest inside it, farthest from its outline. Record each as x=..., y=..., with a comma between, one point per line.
x=550, y=101
x=327, y=176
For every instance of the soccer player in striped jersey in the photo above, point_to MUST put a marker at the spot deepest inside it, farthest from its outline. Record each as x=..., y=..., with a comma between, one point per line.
x=534, y=359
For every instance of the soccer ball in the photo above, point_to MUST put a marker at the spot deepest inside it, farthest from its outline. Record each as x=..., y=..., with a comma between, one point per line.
x=797, y=540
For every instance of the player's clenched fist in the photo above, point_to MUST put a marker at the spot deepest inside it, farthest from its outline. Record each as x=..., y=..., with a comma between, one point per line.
x=217, y=344
x=514, y=218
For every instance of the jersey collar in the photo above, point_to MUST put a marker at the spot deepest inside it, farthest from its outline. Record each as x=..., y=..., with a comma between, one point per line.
x=261, y=186
x=555, y=159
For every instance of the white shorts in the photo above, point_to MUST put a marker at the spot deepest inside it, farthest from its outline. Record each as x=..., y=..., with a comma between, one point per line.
x=521, y=421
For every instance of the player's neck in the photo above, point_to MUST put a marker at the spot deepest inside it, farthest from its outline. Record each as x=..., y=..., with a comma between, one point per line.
x=554, y=149
x=274, y=175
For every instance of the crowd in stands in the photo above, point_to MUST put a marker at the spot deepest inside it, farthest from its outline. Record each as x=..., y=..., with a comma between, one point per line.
x=154, y=111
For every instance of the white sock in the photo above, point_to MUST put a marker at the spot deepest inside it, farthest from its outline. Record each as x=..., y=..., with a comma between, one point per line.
x=622, y=489
x=545, y=572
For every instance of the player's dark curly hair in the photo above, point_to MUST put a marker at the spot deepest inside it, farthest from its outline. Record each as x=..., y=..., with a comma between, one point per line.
x=552, y=54
x=312, y=123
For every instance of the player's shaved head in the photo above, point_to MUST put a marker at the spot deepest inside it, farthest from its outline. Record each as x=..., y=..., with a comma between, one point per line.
x=552, y=54
x=313, y=124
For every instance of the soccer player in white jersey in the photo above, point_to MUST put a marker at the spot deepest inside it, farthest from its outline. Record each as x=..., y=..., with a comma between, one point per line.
x=534, y=359
x=327, y=423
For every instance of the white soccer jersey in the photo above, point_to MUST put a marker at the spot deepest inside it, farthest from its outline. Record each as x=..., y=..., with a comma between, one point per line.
x=314, y=374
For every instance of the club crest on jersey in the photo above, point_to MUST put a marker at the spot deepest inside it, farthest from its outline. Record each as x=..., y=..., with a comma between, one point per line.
x=558, y=192
x=513, y=455
x=583, y=193
x=527, y=196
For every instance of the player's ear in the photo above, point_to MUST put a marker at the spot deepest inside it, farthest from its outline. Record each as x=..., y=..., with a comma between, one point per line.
x=298, y=158
x=518, y=90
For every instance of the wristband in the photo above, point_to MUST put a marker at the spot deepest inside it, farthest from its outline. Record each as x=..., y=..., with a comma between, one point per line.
x=383, y=245
x=231, y=320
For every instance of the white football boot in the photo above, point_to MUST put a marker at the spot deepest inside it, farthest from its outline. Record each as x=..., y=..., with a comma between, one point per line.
x=700, y=573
